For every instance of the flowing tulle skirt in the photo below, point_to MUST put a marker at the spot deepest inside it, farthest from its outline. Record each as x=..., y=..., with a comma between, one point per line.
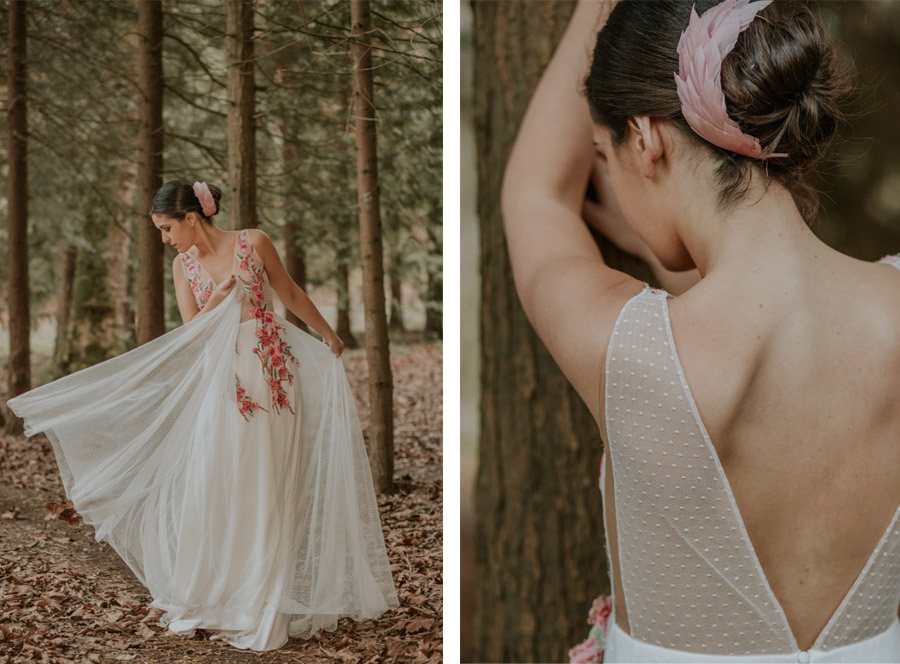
x=259, y=528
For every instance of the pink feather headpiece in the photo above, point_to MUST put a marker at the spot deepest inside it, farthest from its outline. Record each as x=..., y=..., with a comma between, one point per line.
x=204, y=195
x=701, y=50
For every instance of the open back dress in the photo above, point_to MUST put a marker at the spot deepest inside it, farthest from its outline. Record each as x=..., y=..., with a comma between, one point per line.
x=694, y=588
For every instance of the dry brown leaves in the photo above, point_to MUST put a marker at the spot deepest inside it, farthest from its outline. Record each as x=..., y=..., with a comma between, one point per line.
x=64, y=597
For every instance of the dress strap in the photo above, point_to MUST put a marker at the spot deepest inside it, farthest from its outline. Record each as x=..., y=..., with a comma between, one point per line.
x=891, y=260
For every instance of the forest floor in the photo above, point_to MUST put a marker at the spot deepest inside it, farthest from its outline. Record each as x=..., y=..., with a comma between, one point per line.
x=64, y=597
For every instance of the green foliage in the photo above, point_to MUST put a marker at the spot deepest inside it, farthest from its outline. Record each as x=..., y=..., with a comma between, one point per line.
x=83, y=129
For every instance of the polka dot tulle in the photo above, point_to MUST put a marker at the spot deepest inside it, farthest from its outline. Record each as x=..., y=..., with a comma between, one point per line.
x=689, y=573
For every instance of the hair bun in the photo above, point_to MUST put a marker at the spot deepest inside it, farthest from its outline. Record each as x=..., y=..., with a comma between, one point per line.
x=784, y=84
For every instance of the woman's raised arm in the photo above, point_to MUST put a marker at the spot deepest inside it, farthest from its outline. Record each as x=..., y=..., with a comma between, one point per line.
x=568, y=293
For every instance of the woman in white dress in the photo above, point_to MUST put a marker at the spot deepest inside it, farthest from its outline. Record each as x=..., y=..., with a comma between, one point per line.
x=224, y=461
x=750, y=408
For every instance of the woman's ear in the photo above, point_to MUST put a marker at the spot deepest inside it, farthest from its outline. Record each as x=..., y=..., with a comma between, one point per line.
x=648, y=143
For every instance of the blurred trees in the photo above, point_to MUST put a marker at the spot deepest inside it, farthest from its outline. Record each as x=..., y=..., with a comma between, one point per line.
x=90, y=113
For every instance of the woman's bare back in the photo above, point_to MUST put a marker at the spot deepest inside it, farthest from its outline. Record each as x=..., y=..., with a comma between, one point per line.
x=799, y=390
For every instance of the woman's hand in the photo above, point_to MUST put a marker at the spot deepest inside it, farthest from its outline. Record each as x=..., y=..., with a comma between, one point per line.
x=606, y=217
x=221, y=291
x=333, y=341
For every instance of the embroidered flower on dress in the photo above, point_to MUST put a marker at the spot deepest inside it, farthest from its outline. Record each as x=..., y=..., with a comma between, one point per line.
x=246, y=405
x=274, y=353
x=591, y=649
x=201, y=290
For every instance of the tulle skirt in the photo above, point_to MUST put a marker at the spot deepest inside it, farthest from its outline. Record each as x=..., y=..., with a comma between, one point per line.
x=259, y=528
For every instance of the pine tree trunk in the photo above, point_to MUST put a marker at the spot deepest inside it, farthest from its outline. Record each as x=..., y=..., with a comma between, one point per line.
x=343, y=329
x=150, y=293
x=539, y=541
x=381, y=419
x=61, y=353
x=19, y=367
x=396, y=323
x=117, y=252
x=241, y=108
x=295, y=257
x=434, y=292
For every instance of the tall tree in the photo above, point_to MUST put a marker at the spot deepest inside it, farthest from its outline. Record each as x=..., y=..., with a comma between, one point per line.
x=539, y=539
x=241, y=115
x=19, y=368
x=150, y=307
x=381, y=388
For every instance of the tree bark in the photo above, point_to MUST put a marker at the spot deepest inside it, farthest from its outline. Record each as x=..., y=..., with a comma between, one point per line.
x=343, y=329
x=539, y=540
x=150, y=293
x=381, y=420
x=434, y=272
x=19, y=367
x=61, y=350
x=396, y=282
x=241, y=119
x=294, y=237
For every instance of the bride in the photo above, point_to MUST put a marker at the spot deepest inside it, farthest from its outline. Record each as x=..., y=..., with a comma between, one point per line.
x=224, y=461
x=759, y=521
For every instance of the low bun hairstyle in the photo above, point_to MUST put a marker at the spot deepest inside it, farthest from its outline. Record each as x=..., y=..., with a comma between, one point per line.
x=176, y=198
x=783, y=84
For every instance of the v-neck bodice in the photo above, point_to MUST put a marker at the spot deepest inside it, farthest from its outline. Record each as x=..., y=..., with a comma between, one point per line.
x=691, y=578
x=246, y=265
x=204, y=271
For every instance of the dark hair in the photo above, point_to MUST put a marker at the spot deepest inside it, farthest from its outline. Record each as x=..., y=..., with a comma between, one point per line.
x=782, y=84
x=176, y=198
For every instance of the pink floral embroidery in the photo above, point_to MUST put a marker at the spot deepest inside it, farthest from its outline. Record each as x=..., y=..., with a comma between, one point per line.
x=274, y=353
x=246, y=405
x=591, y=649
x=202, y=289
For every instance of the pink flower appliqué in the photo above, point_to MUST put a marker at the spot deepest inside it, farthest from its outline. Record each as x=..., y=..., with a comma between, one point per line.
x=591, y=649
x=274, y=353
x=202, y=290
x=246, y=405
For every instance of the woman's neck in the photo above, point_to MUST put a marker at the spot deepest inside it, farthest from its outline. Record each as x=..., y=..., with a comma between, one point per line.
x=765, y=233
x=209, y=240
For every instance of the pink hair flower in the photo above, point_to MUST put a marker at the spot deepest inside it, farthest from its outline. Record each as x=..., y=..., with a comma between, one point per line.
x=204, y=195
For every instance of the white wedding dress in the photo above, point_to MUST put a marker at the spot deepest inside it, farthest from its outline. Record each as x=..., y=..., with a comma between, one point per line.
x=225, y=463
x=694, y=588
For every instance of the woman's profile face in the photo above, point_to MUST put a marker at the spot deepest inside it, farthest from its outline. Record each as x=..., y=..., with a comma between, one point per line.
x=175, y=233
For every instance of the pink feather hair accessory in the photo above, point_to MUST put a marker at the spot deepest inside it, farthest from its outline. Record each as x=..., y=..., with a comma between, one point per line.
x=204, y=195
x=701, y=50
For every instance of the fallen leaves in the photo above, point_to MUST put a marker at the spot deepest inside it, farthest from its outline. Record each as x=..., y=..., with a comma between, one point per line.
x=68, y=598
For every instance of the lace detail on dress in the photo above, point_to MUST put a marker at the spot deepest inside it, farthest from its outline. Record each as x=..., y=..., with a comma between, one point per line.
x=200, y=287
x=273, y=351
x=891, y=260
x=690, y=576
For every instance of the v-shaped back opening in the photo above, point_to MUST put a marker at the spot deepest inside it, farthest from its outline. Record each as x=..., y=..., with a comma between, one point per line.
x=726, y=484
x=617, y=570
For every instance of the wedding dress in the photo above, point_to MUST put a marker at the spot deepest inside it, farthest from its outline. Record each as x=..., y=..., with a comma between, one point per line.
x=694, y=587
x=225, y=463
